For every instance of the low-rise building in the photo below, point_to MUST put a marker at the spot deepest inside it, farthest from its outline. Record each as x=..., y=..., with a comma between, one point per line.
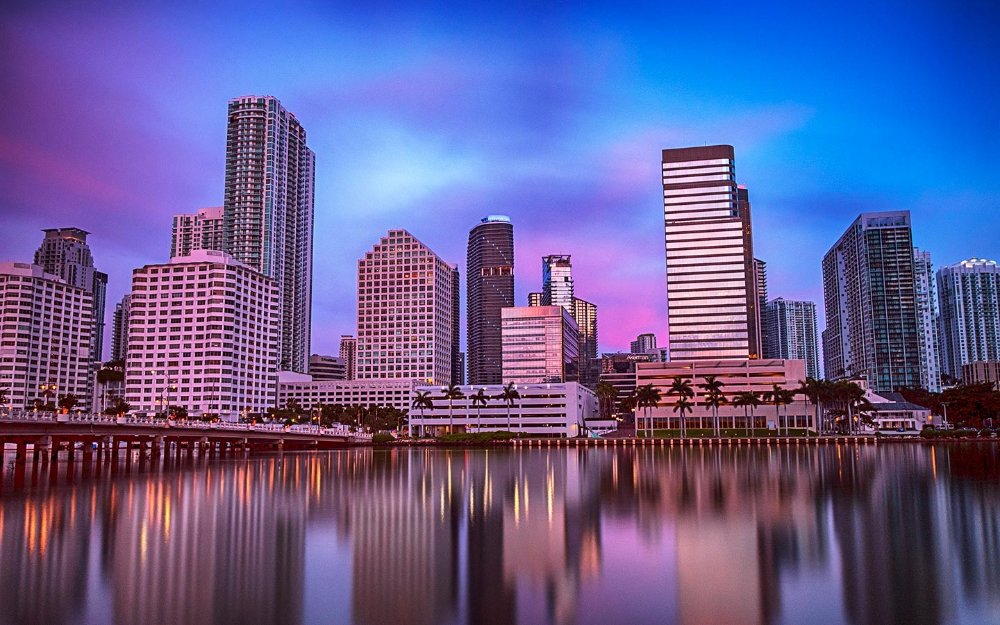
x=389, y=392
x=981, y=372
x=559, y=410
x=327, y=367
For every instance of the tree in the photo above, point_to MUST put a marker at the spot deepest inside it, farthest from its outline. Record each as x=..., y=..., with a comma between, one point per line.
x=3, y=396
x=748, y=401
x=68, y=402
x=683, y=405
x=817, y=392
x=779, y=397
x=479, y=400
x=509, y=396
x=177, y=412
x=647, y=397
x=714, y=398
x=421, y=402
x=606, y=395
x=681, y=387
x=451, y=393
x=120, y=407
x=628, y=405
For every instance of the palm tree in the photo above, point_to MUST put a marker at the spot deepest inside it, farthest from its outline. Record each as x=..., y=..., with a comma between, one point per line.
x=748, y=400
x=779, y=397
x=479, y=401
x=509, y=395
x=647, y=397
x=606, y=395
x=451, y=393
x=819, y=393
x=628, y=405
x=681, y=387
x=3, y=397
x=714, y=398
x=683, y=405
x=422, y=401
x=67, y=402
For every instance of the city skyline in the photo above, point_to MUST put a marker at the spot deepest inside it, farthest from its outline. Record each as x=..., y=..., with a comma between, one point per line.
x=557, y=142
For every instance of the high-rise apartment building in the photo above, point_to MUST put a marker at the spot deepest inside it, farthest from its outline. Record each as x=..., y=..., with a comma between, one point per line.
x=969, y=294
x=711, y=290
x=540, y=344
x=925, y=294
x=643, y=343
x=327, y=368
x=202, y=335
x=47, y=325
x=489, y=288
x=349, y=354
x=64, y=252
x=871, y=312
x=535, y=298
x=585, y=315
x=202, y=230
x=790, y=327
x=119, y=329
x=405, y=316
x=760, y=284
x=268, y=212
x=557, y=281
x=457, y=369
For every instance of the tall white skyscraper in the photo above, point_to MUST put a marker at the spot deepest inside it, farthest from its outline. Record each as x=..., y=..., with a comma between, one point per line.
x=268, y=212
x=969, y=294
x=711, y=290
x=925, y=292
x=405, y=311
x=197, y=231
x=557, y=281
x=790, y=327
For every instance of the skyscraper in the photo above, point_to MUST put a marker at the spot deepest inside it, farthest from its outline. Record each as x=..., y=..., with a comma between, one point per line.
x=64, y=252
x=457, y=368
x=535, y=298
x=540, y=344
x=268, y=212
x=760, y=284
x=119, y=333
x=643, y=343
x=711, y=290
x=489, y=288
x=790, y=327
x=969, y=294
x=871, y=315
x=925, y=292
x=405, y=316
x=202, y=230
x=557, y=281
x=349, y=354
x=585, y=315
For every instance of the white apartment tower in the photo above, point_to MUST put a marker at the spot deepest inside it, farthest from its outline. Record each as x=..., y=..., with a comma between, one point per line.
x=197, y=231
x=711, y=288
x=268, y=212
x=790, y=328
x=969, y=294
x=557, y=281
x=349, y=354
x=47, y=328
x=405, y=311
x=202, y=335
x=925, y=292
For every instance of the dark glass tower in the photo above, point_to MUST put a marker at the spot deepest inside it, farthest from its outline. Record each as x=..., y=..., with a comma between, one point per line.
x=490, y=287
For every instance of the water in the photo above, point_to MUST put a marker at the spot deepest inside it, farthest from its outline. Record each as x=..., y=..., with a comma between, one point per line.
x=798, y=535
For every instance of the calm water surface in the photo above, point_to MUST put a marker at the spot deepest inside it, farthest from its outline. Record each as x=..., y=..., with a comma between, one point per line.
x=904, y=534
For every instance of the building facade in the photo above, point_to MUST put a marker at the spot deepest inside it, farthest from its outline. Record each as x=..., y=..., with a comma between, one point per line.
x=711, y=291
x=46, y=326
x=982, y=372
x=405, y=311
x=268, y=212
x=489, y=283
x=202, y=335
x=327, y=367
x=618, y=370
x=589, y=367
x=760, y=284
x=349, y=354
x=870, y=296
x=119, y=329
x=396, y=393
x=925, y=293
x=790, y=331
x=557, y=281
x=969, y=295
x=64, y=252
x=540, y=345
x=202, y=230
x=643, y=343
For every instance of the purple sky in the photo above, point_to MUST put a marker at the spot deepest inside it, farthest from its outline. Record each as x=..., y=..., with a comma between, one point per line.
x=430, y=118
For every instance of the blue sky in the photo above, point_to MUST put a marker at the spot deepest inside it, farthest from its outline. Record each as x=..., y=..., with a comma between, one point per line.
x=429, y=117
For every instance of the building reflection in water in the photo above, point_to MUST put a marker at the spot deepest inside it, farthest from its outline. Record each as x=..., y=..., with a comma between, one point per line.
x=851, y=534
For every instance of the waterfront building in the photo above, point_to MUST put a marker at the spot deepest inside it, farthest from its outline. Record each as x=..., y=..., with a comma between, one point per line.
x=489, y=288
x=555, y=409
x=871, y=315
x=64, y=252
x=47, y=326
x=925, y=295
x=969, y=295
x=790, y=331
x=349, y=354
x=540, y=344
x=268, y=212
x=119, y=328
x=557, y=281
x=643, y=343
x=759, y=376
x=618, y=370
x=202, y=335
x=982, y=372
x=405, y=311
x=395, y=392
x=327, y=367
x=711, y=290
x=202, y=230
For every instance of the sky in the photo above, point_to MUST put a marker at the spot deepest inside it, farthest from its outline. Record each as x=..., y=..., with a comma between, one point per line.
x=430, y=116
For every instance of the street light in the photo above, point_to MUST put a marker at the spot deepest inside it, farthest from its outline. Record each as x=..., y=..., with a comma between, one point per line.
x=48, y=389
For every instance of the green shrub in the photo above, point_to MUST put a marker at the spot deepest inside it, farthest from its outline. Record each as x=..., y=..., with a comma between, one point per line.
x=476, y=437
x=382, y=439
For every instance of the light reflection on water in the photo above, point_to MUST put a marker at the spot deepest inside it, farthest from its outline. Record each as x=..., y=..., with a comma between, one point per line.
x=849, y=534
